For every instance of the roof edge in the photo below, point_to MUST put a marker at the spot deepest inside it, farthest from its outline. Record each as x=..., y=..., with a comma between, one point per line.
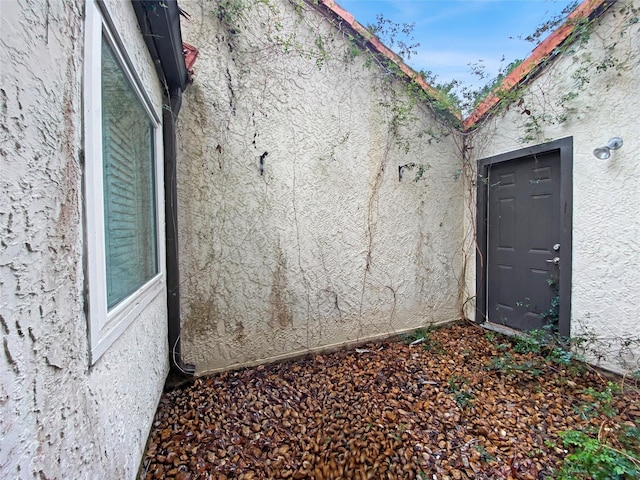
x=539, y=55
x=378, y=47
x=159, y=22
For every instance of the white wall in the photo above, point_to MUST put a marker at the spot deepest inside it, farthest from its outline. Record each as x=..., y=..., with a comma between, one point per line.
x=606, y=194
x=60, y=417
x=275, y=265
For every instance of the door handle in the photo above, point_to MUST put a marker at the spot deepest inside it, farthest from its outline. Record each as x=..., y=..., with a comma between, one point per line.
x=555, y=260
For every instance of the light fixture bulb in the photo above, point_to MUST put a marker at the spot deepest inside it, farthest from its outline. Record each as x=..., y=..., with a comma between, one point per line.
x=602, y=153
x=614, y=143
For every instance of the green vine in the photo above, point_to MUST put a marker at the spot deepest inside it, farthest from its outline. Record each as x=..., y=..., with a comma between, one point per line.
x=401, y=101
x=540, y=112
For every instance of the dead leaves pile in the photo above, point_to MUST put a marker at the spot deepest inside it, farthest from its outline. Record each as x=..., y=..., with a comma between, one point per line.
x=438, y=410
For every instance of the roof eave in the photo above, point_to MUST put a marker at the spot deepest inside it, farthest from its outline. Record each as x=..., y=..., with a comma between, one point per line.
x=160, y=24
x=541, y=54
x=380, y=48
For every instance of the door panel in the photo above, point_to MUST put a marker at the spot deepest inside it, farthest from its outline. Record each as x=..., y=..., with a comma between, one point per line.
x=523, y=225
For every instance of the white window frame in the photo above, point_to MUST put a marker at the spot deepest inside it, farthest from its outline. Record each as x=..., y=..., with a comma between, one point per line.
x=105, y=326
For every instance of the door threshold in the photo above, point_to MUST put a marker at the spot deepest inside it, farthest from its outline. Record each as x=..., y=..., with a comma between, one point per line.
x=496, y=327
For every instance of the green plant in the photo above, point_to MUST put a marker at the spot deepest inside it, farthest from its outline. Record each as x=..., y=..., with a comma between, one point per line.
x=462, y=394
x=546, y=342
x=402, y=104
x=601, y=403
x=232, y=12
x=484, y=455
x=423, y=337
x=551, y=316
x=527, y=344
x=536, y=452
x=630, y=436
x=598, y=460
x=421, y=171
x=615, y=455
x=575, y=369
x=398, y=37
x=561, y=356
x=553, y=22
x=354, y=49
x=509, y=365
x=588, y=343
x=416, y=335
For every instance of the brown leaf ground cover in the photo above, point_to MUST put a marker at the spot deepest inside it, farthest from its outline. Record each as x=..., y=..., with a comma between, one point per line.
x=463, y=403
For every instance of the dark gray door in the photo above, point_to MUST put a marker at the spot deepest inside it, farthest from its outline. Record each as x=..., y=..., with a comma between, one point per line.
x=523, y=239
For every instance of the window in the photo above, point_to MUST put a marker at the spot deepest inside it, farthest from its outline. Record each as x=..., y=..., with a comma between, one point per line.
x=123, y=180
x=129, y=207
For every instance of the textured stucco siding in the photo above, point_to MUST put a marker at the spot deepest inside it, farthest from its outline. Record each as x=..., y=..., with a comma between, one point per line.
x=60, y=417
x=605, y=300
x=327, y=246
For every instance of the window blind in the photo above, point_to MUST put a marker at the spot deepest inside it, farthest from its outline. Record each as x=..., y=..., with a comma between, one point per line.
x=129, y=205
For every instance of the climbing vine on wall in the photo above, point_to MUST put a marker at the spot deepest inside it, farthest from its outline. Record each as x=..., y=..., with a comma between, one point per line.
x=582, y=47
x=401, y=104
x=293, y=30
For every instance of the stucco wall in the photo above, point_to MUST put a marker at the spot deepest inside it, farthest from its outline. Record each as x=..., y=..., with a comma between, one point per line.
x=591, y=93
x=327, y=246
x=60, y=417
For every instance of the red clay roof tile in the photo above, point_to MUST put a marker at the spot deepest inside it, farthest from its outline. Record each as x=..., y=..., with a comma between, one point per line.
x=190, y=55
x=380, y=48
x=539, y=55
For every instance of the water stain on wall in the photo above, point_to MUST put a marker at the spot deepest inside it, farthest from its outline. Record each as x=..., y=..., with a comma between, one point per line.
x=279, y=313
x=201, y=316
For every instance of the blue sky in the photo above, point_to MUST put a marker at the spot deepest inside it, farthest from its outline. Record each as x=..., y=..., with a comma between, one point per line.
x=455, y=33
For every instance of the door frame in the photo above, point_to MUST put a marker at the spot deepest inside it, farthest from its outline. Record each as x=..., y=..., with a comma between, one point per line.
x=565, y=147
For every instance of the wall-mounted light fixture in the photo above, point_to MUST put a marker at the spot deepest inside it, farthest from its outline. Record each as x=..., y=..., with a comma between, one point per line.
x=602, y=153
